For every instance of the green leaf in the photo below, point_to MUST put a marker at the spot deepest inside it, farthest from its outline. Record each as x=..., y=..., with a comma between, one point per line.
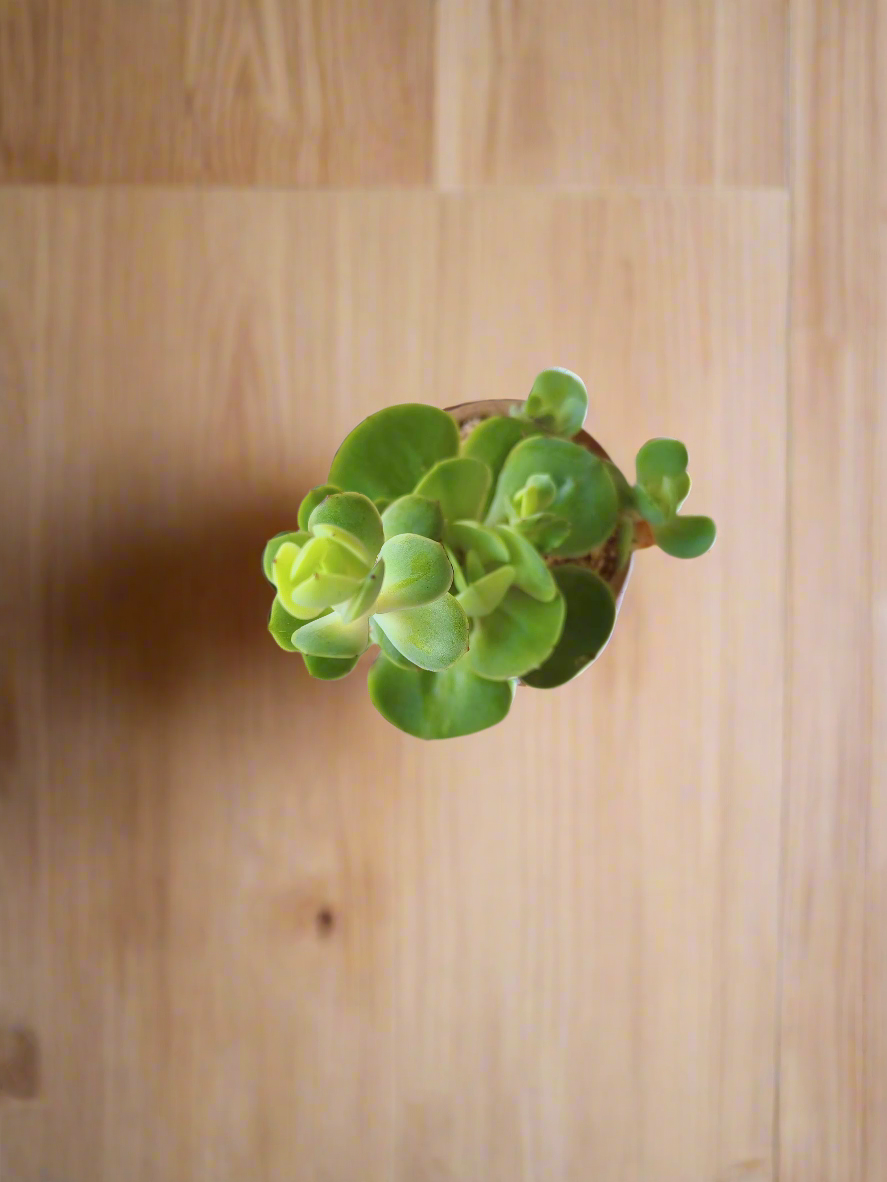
x=292, y=565
x=586, y=495
x=438, y=705
x=461, y=487
x=558, y=402
x=353, y=520
x=329, y=668
x=298, y=538
x=282, y=626
x=312, y=499
x=365, y=596
x=658, y=458
x=518, y=636
x=591, y=616
x=389, y=453
x=536, y=495
x=492, y=440
x=531, y=574
x=624, y=490
x=330, y=636
x=417, y=571
x=468, y=535
x=659, y=502
x=324, y=590
x=321, y=574
x=681, y=485
x=377, y=636
x=686, y=537
x=413, y=514
x=474, y=568
x=485, y=595
x=546, y=531
x=433, y=636
x=459, y=579
x=650, y=507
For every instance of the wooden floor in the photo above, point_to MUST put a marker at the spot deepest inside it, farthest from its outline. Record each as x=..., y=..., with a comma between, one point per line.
x=249, y=932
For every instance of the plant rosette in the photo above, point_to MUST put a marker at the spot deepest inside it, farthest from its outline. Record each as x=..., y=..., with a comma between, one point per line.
x=478, y=548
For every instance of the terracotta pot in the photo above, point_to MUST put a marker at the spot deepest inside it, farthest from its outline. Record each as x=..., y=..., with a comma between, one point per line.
x=468, y=414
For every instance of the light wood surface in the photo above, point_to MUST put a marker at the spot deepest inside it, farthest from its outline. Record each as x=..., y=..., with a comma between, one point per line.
x=249, y=931
x=834, y=998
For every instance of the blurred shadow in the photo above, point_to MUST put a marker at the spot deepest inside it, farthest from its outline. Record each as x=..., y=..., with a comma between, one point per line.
x=165, y=600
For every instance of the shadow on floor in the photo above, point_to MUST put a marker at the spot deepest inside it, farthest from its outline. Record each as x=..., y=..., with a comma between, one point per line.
x=170, y=603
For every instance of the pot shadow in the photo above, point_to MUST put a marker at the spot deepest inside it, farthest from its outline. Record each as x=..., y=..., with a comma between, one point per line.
x=168, y=607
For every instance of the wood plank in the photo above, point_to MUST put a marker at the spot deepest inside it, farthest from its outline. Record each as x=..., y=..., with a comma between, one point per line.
x=660, y=1007
x=834, y=1048
x=551, y=950
x=615, y=92
x=21, y=957
x=752, y=119
x=224, y=91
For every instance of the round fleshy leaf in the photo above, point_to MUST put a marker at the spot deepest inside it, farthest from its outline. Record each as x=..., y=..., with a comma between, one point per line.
x=658, y=458
x=624, y=491
x=324, y=590
x=330, y=636
x=650, y=507
x=485, y=595
x=686, y=537
x=389, y=453
x=377, y=636
x=340, y=558
x=438, y=705
x=518, y=636
x=558, y=402
x=289, y=560
x=346, y=516
x=659, y=501
x=433, y=636
x=459, y=580
x=482, y=539
x=492, y=440
x=461, y=486
x=591, y=615
x=297, y=538
x=413, y=514
x=322, y=574
x=474, y=568
x=546, y=531
x=365, y=596
x=283, y=626
x=536, y=495
x=531, y=575
x=312, y=499
x=681, y=485
x=329, y=668
x=417, y=571
x=586, y=495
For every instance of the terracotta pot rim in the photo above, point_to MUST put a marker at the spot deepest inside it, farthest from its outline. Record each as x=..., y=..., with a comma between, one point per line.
x=488, y=408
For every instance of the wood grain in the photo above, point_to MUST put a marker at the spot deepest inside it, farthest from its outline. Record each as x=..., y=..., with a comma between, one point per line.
x=266, y=92
x=834, y=1048
x=247, y=931
x=612, y=92
x=256, y=932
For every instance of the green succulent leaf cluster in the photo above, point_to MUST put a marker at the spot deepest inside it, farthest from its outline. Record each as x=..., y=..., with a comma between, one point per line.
x=470, y=563
x=341, y=577
x=661, y=489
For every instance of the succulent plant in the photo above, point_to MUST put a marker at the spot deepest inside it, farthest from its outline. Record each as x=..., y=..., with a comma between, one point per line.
x=474, y=560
